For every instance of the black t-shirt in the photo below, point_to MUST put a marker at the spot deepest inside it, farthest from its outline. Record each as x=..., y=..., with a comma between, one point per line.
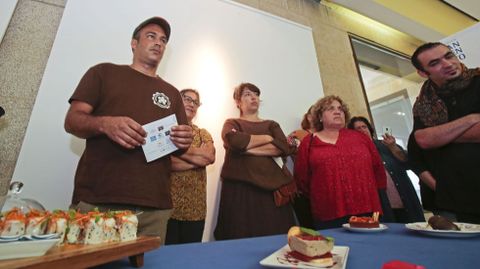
x=419, y=164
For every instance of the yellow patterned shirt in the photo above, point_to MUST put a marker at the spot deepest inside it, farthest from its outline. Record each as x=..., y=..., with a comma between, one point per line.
x=189, y=188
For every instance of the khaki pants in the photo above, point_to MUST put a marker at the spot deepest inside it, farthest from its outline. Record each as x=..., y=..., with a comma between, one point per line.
x=151, y=222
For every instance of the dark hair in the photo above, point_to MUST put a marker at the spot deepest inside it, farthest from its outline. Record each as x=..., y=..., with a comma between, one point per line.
x=422, y=48
x=351, y=124
x=182, y=93
x=321, y=105
x=237, y=93
x=305, y=122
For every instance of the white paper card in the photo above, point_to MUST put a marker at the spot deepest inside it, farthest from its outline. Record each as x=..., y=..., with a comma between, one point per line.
x=158, y=143
x=278, y=161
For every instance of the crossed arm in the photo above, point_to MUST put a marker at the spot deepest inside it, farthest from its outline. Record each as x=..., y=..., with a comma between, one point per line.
x=463, y=130
x=261, y=145
x=273, y=144
x=194, y=157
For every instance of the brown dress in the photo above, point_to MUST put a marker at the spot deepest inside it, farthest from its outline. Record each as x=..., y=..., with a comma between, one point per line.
x=247, y=207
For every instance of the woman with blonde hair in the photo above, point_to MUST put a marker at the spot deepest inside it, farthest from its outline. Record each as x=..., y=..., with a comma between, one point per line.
x=339, y=169
x=307, y=128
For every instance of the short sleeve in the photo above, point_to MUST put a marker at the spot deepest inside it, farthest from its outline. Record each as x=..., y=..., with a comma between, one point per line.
x=205, y=136
x=89, y=88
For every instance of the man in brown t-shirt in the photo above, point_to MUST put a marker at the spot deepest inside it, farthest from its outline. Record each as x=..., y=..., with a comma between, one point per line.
x=108, y=108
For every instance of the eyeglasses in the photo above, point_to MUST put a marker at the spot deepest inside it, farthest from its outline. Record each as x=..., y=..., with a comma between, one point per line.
x=190, y=100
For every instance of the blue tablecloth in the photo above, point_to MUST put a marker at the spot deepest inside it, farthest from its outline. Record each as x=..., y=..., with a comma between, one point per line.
x=367, y=251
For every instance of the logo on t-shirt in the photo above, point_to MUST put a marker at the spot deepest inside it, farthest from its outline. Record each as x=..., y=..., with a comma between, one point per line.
x=161, y=100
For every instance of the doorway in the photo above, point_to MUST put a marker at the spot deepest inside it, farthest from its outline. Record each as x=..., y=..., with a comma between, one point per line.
x=391, y=85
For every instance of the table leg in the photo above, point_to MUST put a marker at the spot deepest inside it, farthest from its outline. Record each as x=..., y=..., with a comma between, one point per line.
x=136, y=260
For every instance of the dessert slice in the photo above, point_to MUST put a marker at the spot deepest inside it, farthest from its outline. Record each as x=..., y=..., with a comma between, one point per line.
x=309, y=246
x=127, y=224
x=441, y=223
x=110, y=233
x=36, y=222
x=364, y=222
x=57, y=224
x=93, y=228
x=76, y=222
x=12, y=223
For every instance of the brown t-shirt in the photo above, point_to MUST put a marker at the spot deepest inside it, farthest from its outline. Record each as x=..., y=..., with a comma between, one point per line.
x=107, y=172
x=261, y=171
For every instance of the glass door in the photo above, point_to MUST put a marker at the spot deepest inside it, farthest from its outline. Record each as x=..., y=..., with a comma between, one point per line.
x=391, y=85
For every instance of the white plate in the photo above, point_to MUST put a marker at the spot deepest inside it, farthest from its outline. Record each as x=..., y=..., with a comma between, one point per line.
x=280, y=258
x=382, y=227
x=45, y=236
x=4, y=239
x=22, y=249
x=25, y=237
x=466, y=229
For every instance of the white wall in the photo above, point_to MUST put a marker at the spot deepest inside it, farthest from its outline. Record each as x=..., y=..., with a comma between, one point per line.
x=214, y=46
x=6, y=11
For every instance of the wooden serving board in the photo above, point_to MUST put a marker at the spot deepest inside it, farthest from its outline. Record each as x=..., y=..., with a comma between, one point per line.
x=83, y=256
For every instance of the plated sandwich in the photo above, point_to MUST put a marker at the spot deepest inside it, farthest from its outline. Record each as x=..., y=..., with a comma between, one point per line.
x=12, y=223
x=310, y=246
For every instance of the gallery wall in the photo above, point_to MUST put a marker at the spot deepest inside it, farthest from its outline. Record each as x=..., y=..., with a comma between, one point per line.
x=213, y=50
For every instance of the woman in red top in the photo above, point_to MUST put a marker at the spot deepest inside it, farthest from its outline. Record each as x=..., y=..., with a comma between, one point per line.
x=339, y=169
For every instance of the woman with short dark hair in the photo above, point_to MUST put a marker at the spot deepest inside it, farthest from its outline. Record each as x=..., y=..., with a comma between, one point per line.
x=400, y=196
x=255, y=190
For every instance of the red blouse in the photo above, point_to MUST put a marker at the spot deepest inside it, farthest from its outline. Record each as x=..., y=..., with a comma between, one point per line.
x=341, y=179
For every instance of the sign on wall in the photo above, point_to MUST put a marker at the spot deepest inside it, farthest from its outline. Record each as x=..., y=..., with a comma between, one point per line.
x=465, y=45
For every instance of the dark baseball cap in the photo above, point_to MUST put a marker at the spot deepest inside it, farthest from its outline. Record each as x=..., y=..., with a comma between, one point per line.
x=154, y=20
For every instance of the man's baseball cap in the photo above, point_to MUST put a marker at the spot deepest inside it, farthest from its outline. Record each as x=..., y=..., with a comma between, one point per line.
x=154, y=20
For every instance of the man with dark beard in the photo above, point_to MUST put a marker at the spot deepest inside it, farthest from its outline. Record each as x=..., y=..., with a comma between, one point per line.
x=447, y=127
